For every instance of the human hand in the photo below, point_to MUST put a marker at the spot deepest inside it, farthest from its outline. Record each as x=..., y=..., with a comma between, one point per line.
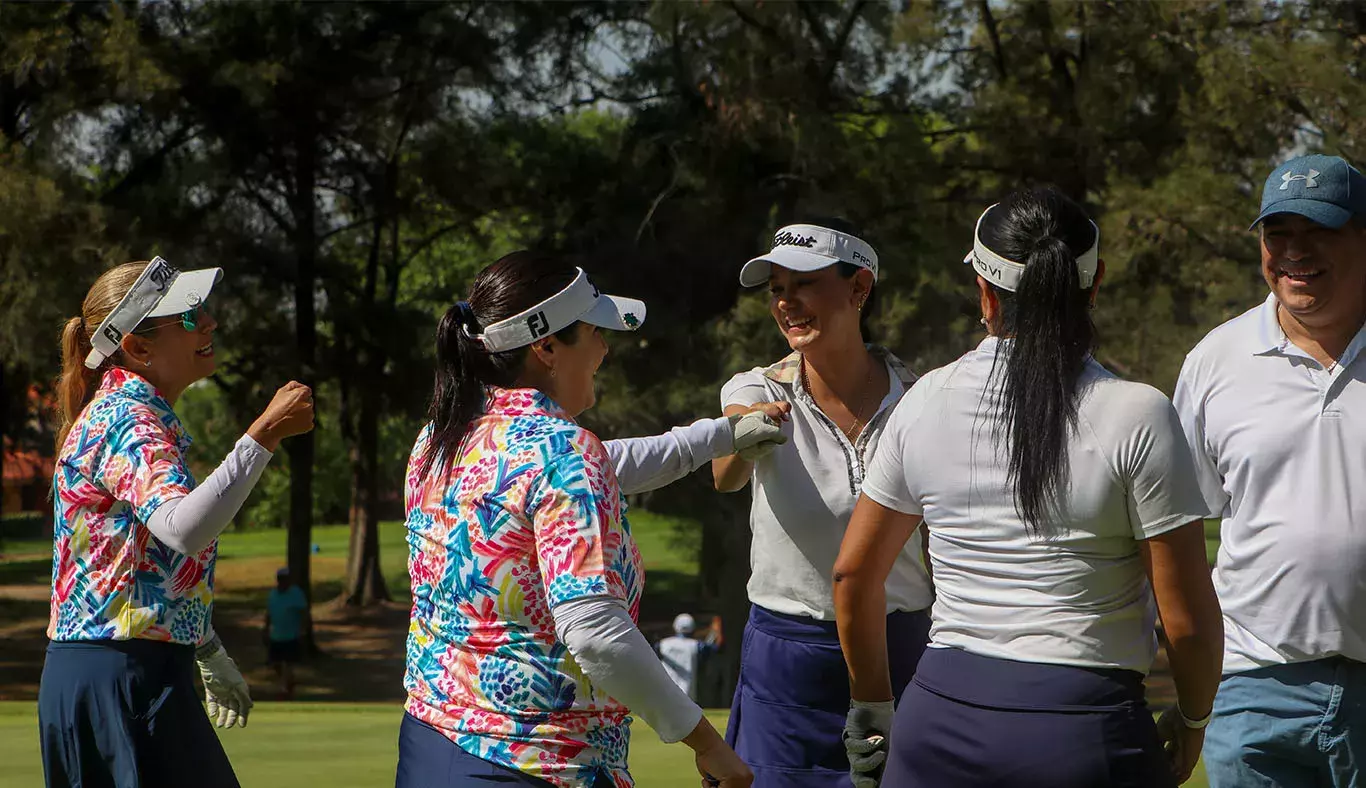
x=867, y=732
x=289, y=413
x=1181, y=743
x=226, y=695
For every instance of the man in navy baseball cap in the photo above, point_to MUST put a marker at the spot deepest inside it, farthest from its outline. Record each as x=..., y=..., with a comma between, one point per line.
x=1271, y=404
x=1323, y=189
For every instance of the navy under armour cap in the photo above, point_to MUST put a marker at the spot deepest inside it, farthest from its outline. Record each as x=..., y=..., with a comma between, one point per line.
x=1325, y=190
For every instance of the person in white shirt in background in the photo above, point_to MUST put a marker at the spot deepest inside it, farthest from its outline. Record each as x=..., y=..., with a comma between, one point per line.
x=792, y=698
x=1274, y=406
x=681, y=653
x=1061, y=504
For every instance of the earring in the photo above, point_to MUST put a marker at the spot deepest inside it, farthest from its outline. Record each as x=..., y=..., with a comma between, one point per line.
x=984, y=323
x=552, y=372
x=147, y=363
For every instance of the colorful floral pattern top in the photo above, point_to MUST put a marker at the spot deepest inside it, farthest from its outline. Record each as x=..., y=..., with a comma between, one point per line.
x=111, y=579
x=531, y=516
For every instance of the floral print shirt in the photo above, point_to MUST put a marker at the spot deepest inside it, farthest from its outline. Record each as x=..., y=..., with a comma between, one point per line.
x=529, y=517
x=111, y=578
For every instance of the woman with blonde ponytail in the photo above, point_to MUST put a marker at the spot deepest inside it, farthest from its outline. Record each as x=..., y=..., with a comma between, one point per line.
x=135, y=540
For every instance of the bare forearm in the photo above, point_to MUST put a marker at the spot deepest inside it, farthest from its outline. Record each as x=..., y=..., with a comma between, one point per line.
x=1195, y=650
x=730, y=474
x=861, y=613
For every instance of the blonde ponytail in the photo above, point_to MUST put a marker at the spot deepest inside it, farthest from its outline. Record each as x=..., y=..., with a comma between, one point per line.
x=76, y=384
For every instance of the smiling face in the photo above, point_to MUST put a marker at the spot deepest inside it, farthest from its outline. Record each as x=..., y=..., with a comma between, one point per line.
x=178, y=356
x=815, y=306
x=575, y=367
x=1317, y=273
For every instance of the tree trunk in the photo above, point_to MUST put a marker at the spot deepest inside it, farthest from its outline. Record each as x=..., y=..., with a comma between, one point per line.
x=364, y=581
x=734, y=599
x=302, y=447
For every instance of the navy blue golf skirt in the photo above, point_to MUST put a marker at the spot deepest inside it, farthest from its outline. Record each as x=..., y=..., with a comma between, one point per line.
x=125, y=714
x=427, y=759
x=792, y=697
x=968, y=721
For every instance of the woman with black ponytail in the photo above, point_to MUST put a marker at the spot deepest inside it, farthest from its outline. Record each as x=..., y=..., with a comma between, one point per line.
x=524, y=659
x=1061, y=503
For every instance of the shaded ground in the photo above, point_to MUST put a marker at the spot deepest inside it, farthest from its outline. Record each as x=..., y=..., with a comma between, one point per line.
x=362, y=650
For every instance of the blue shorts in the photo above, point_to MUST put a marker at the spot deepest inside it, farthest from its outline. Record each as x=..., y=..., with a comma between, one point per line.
x=427, y=759
x=125, y=714
x=969, y=720
x=787, y=718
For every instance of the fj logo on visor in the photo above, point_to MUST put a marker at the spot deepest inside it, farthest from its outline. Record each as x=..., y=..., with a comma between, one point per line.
x=1309, y=180
x=538, y=325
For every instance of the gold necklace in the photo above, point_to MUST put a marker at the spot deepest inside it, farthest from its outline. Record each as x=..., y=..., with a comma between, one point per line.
x=853, y=430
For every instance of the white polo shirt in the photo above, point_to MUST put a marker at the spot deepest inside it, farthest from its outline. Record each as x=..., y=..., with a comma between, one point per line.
x=805, y=491
x=1280, y=449
x=1078, y=594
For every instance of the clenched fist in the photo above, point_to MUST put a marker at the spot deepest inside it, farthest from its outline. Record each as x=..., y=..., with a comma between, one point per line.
x=290, y=412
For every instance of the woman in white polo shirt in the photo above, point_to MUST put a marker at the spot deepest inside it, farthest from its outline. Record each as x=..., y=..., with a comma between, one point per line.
x=792, y=697
x=1060, y=501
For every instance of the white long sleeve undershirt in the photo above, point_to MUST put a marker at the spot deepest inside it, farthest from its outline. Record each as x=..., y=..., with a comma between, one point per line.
x=654, y=461
x=191, y=523
x=607, y=645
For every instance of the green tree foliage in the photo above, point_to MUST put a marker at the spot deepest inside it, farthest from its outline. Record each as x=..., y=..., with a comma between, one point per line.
x=352, y=166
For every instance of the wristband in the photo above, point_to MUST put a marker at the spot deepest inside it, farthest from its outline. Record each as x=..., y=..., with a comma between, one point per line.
x=211, y=646
x=1194, y=724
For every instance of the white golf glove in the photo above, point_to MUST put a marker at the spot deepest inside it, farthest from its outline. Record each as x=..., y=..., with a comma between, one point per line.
x=225, y=691
x=755, y=435
x=867, y=731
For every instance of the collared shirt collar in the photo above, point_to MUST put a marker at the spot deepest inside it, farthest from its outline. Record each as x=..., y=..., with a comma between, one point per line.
x=120, y=382
x=522, y=402
x=789, y=369
x=1271, y=337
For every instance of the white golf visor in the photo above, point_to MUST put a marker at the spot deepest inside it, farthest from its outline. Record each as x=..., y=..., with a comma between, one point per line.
x=808, y=247
x=1006, y=274
x=159, y=291
x=579, y=301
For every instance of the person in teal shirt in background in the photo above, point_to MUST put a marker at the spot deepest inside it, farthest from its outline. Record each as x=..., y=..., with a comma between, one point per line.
x=287, y=618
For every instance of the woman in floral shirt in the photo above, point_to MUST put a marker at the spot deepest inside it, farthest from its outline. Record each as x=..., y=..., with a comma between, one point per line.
x=134, y=540
x=524, y=660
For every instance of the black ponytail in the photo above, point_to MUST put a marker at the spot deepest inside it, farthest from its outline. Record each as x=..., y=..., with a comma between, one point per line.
x=511, y=285
x=1049, y=318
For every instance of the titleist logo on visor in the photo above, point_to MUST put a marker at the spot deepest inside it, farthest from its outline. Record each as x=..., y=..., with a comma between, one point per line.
x=786, y=238
x=162, y=274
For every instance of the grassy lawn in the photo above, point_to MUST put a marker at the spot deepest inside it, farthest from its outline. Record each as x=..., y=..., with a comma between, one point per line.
x=337, y=745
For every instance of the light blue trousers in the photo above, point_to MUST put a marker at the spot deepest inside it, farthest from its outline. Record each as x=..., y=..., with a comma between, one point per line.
x=1289, y=726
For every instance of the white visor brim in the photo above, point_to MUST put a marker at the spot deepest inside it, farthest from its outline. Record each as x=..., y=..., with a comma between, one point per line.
x=580, y=300
x=189, y=291
x=757, y=271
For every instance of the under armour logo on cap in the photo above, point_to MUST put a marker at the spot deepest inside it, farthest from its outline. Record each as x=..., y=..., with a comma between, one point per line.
x=1309, y=180
x=1329, y=191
